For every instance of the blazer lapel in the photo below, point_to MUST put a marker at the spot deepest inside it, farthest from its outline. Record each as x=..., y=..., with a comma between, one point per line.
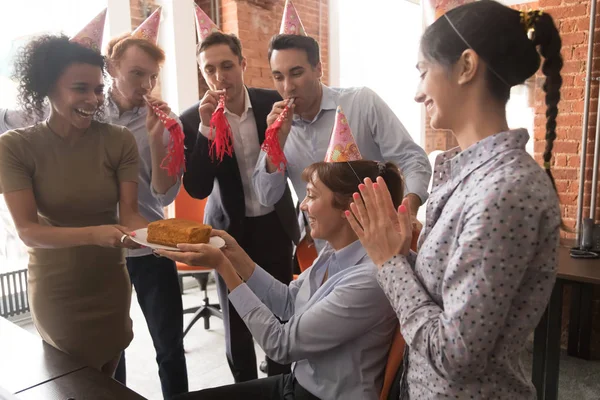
x=261, y=111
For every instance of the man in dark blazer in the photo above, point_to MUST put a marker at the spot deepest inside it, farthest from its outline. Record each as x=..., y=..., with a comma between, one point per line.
x=267, y=234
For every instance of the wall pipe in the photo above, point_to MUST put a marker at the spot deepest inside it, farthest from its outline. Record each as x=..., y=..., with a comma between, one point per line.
x=584, y=128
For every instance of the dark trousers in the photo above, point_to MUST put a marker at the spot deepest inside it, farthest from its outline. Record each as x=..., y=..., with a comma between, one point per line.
x=269, y=246
x=280, y=387
x=157, y=287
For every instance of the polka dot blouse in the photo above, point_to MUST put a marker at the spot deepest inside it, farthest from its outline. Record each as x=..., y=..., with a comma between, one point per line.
x=483, y=275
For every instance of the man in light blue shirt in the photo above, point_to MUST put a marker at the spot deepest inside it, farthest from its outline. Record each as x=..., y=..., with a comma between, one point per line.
x=380, y=136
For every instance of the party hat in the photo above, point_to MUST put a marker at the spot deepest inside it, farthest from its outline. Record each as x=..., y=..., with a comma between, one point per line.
x=91, y=35
x=148, y=29
x=342, y=146
x=204, y=25
x=291, y=24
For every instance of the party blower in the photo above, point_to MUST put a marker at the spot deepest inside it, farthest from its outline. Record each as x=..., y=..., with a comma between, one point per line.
x=174, y=161
x=271, y=144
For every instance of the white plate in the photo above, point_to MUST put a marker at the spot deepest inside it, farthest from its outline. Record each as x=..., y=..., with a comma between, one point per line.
x=141, y=237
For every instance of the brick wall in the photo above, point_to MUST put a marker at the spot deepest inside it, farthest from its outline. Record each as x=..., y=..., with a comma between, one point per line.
x=572, y=18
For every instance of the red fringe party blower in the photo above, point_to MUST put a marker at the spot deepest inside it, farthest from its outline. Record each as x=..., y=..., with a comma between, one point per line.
x=175, y=158
x=271, y=144
x=220, y=133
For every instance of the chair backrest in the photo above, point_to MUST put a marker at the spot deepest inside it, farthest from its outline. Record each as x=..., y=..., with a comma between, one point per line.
x=394, y=363
x=187, y=207
x=305, y=254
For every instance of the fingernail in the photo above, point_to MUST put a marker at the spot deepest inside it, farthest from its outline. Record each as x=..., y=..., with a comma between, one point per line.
x=347, y=213
x=133, y=234
x=375, y=185
x=361, y=186
x=356, y=196
x=402, y=208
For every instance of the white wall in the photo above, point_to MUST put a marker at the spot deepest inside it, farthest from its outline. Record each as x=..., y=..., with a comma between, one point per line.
x=379, y=49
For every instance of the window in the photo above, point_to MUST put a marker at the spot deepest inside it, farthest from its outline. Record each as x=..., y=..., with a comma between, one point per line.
x=378, y=47
x=519, y=111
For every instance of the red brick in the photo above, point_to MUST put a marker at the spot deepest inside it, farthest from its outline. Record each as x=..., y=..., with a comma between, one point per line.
x=580, y=52
x=583, y=24
x=572, y=133
x=574, y=186
x=573, y=161
x=560, y=160
x=566, y=25
x=567, y=198
x=566, y=147
x=561, y=186
x=573, y=38
x=565, y=119
x=564, y=173
x=564, y=11
x=572, y=66
x=572, y=94
x=593, y=105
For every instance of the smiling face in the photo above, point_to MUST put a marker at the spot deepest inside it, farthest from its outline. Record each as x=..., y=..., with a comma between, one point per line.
x=77, y=94
x=439, y=92
x=326, y=221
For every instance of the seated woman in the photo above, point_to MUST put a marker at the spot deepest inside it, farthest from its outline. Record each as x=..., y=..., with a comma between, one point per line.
x=339, y=323
x=62, y=180
x=487, y=258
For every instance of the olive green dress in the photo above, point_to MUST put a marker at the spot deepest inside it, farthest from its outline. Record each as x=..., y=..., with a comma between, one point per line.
x=79, y=296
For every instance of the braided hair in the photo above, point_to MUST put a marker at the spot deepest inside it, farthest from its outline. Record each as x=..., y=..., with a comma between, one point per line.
x=508, y=41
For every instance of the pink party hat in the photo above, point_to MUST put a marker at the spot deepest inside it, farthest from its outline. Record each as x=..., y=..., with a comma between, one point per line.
x=91, y=35
x=291, y=24
x=342, y=146
x=204, y=25
x=149, y=28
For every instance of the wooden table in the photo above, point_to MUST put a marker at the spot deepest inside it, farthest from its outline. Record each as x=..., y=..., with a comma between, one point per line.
x=546, y=345
x=32, y=369
x=84, y=384
x=26, y=360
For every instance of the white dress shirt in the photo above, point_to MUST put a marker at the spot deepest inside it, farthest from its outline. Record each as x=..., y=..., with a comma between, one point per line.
x=246, y=148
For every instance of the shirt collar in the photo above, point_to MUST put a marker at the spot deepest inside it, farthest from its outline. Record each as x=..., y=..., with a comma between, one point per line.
x=329, y=99
x=113, y=109
x=247, y=104
x=347, y=257
x=459, y=164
